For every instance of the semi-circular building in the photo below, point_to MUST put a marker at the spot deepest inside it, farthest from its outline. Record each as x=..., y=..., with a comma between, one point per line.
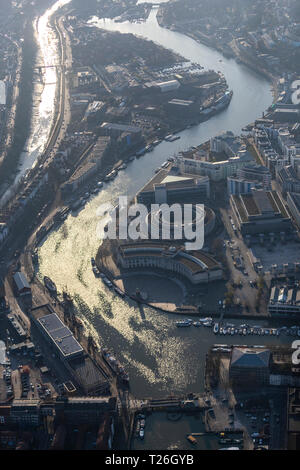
x=196, y=266
x=158, y=220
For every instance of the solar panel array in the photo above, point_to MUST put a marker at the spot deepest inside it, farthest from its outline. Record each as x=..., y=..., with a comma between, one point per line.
x=61, y=335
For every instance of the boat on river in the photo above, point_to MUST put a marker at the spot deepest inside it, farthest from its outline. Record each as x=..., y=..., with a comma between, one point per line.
x=50, y=285
x=184, y=323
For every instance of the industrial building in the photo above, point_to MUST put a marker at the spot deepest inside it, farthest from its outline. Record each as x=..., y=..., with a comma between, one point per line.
x=260, y=212
x=249, y=367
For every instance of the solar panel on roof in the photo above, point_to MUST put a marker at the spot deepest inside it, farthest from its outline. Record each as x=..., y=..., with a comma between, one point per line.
x=60, y=334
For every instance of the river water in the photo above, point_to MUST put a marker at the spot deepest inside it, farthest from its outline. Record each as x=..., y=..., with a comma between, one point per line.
x=159, y=357
x=44, y=96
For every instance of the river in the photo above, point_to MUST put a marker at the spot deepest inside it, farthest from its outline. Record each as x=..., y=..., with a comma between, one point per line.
x=43, y=99
x=159, y=357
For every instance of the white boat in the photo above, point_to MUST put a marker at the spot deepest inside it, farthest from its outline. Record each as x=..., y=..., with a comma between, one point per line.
x=216, y=328
x=107, y=282
x=207, y=319
x=184, y=323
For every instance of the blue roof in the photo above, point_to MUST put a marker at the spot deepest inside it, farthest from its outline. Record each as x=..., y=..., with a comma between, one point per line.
x=242, y=357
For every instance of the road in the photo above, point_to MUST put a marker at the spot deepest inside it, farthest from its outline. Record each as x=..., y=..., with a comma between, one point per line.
x=236, y=249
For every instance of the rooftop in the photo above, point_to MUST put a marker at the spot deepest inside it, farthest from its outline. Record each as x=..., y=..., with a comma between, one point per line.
x=61, y=335
x=21, y=281
x=250, y=358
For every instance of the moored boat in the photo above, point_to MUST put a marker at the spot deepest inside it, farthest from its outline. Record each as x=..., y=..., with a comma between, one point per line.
x=50, y=285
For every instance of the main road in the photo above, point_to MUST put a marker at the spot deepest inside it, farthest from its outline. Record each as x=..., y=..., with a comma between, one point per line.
x=159, y=357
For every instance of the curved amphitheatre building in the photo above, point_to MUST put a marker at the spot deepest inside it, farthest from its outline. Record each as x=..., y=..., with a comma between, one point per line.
x=156, y=220
x=196, y=266
x=170, y=186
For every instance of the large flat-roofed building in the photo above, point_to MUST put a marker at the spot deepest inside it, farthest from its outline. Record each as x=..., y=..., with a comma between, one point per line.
x=87, y=375
x=60, y=336
x=293, y=201
x=198, y=267
x=260, y=212
x=284, y=301
x=172, y=186
x=249, y=367
x=91, y=378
